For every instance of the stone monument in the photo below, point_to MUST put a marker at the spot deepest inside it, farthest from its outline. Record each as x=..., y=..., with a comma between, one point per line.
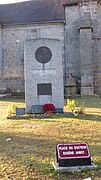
x=43, y=74
x=70, y=86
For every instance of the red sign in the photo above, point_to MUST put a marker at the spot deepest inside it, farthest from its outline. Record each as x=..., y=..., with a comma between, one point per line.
x=73, y=150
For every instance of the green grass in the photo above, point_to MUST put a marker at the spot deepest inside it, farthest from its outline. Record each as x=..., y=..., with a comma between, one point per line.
x=27, y=143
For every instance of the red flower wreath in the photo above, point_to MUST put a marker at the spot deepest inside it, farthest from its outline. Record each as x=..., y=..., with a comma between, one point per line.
x=47, y=107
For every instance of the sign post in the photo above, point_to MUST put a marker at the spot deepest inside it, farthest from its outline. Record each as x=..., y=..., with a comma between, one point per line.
x=73, y=154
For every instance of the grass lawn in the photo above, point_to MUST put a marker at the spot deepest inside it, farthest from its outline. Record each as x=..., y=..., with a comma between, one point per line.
x=27, y=143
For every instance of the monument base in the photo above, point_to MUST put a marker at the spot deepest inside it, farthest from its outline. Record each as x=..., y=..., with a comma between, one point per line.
x=72, y=168
x=37, y=109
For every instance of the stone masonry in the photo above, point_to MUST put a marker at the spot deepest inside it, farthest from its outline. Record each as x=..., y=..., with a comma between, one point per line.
x=77, y=26
x=12, y=60
x=82, y=43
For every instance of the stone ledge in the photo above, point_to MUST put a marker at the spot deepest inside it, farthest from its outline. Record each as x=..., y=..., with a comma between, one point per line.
x=73, y=168
x=5, y=95
x=82, y=96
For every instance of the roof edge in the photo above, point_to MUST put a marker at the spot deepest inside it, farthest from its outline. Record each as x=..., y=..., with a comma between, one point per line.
x=70, y=4
x=31, y=23
x=76, y=2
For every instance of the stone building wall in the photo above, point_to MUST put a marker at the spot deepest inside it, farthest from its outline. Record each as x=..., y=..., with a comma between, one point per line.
x=13, y=50
x=0, y=55
x=83, y=44
x=96, y=41
x=72, y=43
x=81, y=40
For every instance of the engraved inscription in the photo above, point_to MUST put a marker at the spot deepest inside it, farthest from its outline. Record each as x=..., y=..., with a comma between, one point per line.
x=44, y=89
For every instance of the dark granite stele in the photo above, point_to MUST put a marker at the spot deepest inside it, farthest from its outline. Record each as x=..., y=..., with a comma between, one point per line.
x=20, y=111
x=74, y=162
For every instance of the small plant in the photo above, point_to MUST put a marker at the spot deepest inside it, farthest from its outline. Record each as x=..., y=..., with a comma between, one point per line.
x=12, y=110
x=71, y=104
x=80, y=110
x=48, y=107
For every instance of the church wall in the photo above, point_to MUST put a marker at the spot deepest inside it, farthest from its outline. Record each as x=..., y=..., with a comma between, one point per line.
x=1, y=56
x=75, y=46
x=72, y=43
x=96, y=44
x=77, y=52
x=13, y=50
x=94, y=10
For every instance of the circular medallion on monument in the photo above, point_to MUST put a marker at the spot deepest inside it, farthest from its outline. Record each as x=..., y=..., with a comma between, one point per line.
x=43, y=54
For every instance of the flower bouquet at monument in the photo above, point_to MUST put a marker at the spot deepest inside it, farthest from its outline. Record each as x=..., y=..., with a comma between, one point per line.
x=49, y=108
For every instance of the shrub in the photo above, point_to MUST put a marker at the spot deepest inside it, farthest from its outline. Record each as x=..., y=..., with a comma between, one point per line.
x=12, y=110
x=80, y=109
x=71, y=104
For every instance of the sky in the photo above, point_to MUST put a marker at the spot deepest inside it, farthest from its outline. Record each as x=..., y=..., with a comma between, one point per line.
x=10, y=1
